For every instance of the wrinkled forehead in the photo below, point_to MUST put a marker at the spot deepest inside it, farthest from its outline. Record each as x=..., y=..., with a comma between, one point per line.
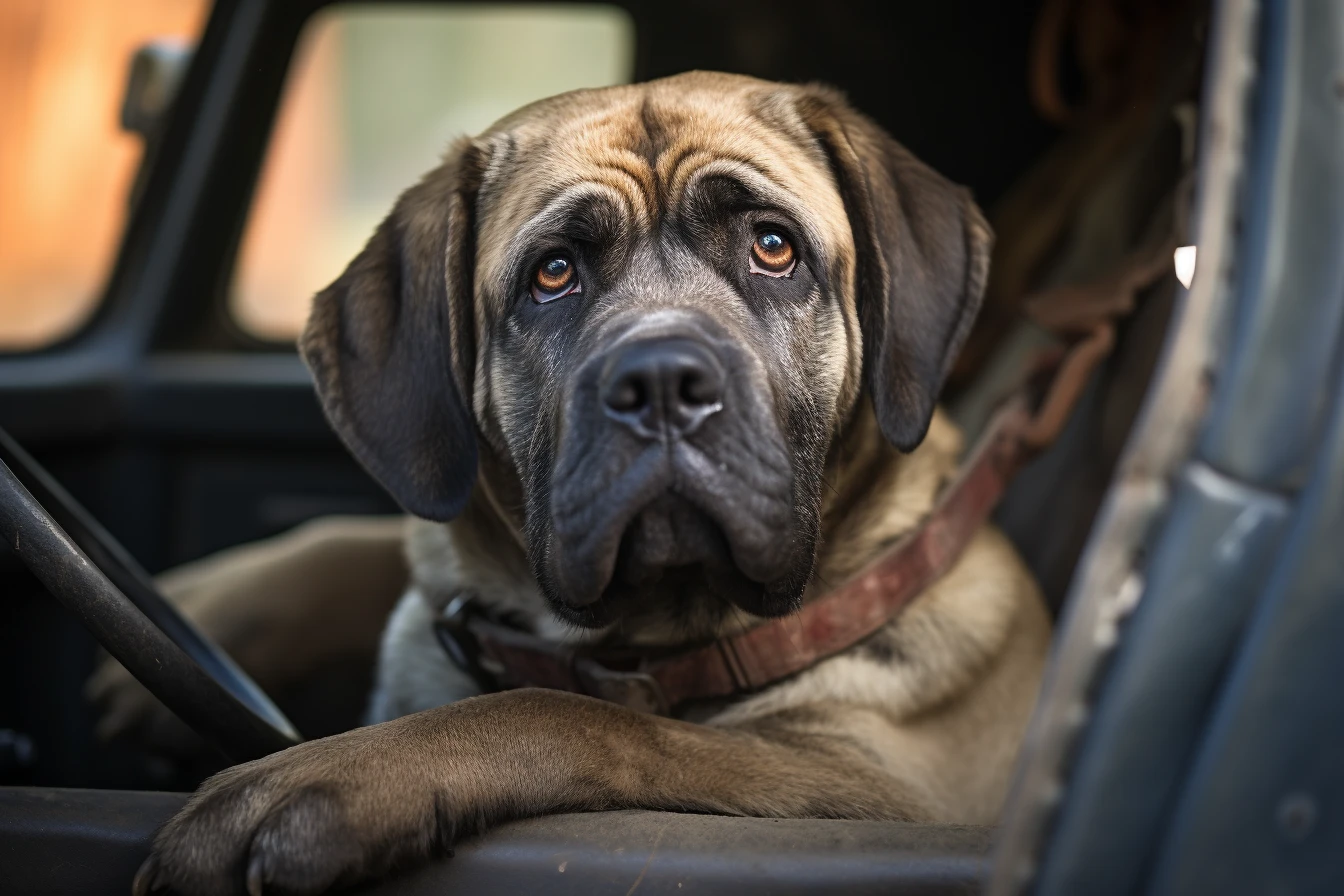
x=635, y=156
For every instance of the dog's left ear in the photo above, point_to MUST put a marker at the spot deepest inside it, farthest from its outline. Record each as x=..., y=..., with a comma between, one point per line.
x=923, y=258
x=389, y=344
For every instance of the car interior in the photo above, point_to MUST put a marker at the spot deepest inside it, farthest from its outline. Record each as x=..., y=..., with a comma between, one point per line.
x=179, y=416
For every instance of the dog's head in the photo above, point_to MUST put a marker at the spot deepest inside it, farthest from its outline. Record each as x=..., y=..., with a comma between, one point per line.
x=645, y=314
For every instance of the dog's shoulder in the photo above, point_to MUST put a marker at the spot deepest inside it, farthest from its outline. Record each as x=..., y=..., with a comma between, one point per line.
x=948, y=684
x=940, y=697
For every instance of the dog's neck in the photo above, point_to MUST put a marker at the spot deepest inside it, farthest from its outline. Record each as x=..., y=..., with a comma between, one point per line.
x=872, y=496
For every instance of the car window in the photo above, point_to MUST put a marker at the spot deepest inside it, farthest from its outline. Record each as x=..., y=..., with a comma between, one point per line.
x=66, y=166
x=374, y=97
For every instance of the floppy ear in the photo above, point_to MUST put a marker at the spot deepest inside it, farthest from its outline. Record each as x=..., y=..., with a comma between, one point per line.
x=923, y=257
x=389, y=344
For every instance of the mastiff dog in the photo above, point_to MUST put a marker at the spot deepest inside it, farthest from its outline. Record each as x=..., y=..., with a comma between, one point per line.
x=655, y=366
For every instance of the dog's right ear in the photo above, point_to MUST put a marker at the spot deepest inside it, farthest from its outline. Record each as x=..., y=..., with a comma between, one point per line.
x=390, y=347
x=923, y=259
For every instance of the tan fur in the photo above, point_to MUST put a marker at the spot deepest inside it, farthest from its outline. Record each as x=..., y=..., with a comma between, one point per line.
x=920, y=722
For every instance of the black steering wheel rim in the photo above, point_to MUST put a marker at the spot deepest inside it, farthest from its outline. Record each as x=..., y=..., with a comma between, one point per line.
x=95, y=578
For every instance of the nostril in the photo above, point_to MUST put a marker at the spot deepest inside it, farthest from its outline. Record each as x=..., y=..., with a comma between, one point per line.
x=627, y=394
x=698, y=389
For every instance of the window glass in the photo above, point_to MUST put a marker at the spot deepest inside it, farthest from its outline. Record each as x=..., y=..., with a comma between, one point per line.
x=374, y=97
x=65, y=164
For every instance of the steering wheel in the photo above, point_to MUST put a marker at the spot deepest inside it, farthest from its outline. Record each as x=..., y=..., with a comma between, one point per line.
x=111, y=594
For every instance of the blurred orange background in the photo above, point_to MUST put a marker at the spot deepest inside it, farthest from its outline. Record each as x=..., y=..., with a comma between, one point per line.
x=65, y=165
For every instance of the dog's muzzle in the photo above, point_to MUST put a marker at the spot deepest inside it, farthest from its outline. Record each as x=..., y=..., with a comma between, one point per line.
x=671, y=460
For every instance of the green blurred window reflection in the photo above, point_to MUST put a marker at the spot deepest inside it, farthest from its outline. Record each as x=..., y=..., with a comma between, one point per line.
x=373, y=98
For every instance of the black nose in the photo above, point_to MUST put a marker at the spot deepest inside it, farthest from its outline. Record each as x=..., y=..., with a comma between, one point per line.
x=662, y=387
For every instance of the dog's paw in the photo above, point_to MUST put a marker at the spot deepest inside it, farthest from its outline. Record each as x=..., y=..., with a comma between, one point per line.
x=321, y=814
x=127, y=711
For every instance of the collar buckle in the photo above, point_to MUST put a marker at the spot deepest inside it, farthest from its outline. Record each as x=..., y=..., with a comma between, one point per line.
x=454, y=635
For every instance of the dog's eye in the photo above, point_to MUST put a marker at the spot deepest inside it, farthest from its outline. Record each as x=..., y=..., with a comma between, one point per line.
x=555, y=277
x=772, y=254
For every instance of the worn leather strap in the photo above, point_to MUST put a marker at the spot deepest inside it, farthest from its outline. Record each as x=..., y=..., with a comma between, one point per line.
x=1087, y=314
x=855, y=610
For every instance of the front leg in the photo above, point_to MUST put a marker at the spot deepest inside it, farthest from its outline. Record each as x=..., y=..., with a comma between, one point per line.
x=348, y=807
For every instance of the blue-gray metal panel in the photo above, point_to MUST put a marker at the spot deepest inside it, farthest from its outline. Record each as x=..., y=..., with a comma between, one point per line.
x=1263, y=809
x=1269, y=406
x=1159, y=449
x=1211, y=558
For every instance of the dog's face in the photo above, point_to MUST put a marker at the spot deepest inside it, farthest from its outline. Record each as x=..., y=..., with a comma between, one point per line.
x=646, y=314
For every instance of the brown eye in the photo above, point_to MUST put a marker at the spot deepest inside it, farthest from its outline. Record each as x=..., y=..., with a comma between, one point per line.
x=555, y=277
x=772, y=255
